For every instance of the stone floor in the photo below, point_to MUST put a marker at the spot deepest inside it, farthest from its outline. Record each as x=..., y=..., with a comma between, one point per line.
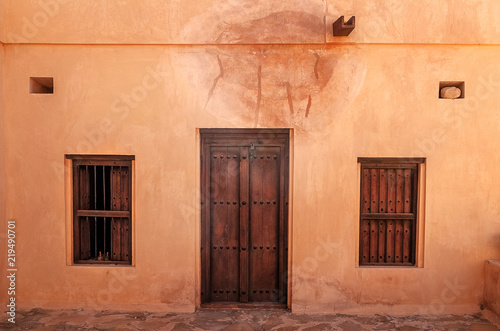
x=236, y=320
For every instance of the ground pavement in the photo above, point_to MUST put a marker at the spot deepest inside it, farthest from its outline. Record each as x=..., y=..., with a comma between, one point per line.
x=238, y=320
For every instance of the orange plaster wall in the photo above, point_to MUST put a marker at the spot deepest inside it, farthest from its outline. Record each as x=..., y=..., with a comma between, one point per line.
x=245, y=21
x=492, y=285
x=365, y=100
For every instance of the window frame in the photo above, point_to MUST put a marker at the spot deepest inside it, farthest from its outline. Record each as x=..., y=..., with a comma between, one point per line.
x=416, y=165
x=78, y=160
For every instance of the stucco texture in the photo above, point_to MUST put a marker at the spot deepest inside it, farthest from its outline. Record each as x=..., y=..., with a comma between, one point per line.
x=149, y=101
x=142, y=80
x=492, y=285
x=245, y=21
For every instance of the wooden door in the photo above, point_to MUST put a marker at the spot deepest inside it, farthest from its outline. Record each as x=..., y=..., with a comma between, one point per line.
x=244, y=185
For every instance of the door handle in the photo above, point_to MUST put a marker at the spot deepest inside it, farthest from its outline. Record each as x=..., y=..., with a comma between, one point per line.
x=243, y=203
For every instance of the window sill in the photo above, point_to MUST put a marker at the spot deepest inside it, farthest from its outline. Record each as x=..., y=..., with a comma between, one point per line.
x=388, y=266
x=103, y=263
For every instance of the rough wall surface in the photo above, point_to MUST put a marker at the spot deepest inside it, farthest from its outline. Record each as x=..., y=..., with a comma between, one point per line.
x=341, y=100
x=244, y=21
x=97, y=108
x=492, y=285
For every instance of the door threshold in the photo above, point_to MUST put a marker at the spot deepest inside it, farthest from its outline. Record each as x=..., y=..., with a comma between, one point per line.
x=240, y=305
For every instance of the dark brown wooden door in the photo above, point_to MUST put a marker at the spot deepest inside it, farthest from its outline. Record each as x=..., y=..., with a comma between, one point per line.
x=244, y=215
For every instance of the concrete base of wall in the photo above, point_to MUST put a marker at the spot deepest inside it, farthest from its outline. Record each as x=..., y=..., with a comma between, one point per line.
x=492, y=285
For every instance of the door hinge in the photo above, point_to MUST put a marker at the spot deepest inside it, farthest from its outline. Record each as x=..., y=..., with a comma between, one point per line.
x=252, y=153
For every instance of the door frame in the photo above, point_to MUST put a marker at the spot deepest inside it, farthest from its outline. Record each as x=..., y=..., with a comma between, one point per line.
x=211, y=137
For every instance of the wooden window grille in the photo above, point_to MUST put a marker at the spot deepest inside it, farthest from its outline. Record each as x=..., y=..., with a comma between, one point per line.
x=388, y=211
x=102, y=190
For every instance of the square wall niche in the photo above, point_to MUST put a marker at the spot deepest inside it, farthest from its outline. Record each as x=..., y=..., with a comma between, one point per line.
x=41, y=85
x=458, y=84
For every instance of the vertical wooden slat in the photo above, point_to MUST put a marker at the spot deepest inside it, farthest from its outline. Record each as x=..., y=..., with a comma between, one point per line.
x=373, y=241
x=124, y=188
x=399, y=191
x=245, y=204
x=364, y=252
x=115, y=188
x=233, y=224
x=407, y=241
x=218, y=227
x=398, y=241
x=82, y=193
x=391, y=191
x=381, y=240
x=382, y=207
x=374, y=199
x=205, y=223
x=116, y=228
x=84, y=238
x=365, y=191
x=365, y=241
x=399, y=209
x=390, y=241
x=256, y=228
x=125, y=235
x=408, y=208
x=374, y=188
x=270, y=235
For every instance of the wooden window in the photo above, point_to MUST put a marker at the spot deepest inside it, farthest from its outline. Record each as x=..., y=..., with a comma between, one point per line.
x=388, y=211
x=102, y=228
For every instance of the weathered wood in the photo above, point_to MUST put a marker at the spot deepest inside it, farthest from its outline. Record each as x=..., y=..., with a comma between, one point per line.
x=101, y=192
x=388, y=211
x=390, y=242
x=244, y=204
x=259, y=219
x=218, y=232
x=382, y=206
x=103, y=213
x=374, y=190
x=373, y=241
x=365, y=191
x=365, y=241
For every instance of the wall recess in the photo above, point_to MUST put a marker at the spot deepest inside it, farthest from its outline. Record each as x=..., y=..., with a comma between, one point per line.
x=42, y=85
x=452, y=90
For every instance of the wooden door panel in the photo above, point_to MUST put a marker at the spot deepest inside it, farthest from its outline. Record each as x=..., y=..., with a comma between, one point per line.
x=244, y=224
x=224, y=231
x=264, y=223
